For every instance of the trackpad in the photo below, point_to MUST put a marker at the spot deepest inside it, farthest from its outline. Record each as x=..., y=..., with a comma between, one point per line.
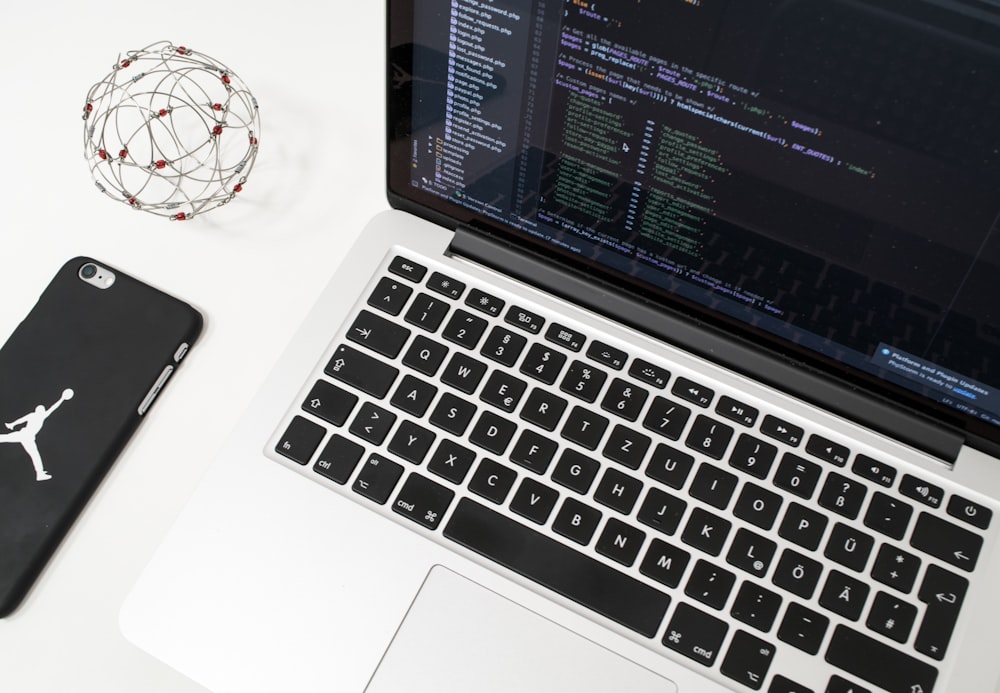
x=459, y=636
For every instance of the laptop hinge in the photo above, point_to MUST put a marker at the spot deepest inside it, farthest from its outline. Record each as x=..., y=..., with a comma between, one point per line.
x=603, y=297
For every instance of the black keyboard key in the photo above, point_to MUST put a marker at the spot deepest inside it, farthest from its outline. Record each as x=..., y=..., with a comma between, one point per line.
x=661, y=511
x=842, y=495
x=873, y=470
x=706, y=531
x=967, y=511
x=755, y=457
x=797, y=574
x=921, y=491
x=756, y=606
x=649, y=373
x=423, y=501
x=484, y=302
x=758, y=506
x=849, y=547
x=372, y=423
x=534, y=501
x=776, y=428
x=797, y=475
x=543, y=409
x=839, y=684
x=582, y=579
x=584, y=428
x=524, y=319
x=566, y=337
x=390, y=296
x=339, y=458
x=779, y=684
x=329, y=402
x=877, y=663
x=427, y=312
x=300, y=439
x=451, y=461
x=492, y=432
x=713, y=485
x=626, y=446
x=425, y=355
x=896, y=568
x=407, y=269
x=492, y=481
x=583, y=381
x=695, y=634
x=452, y=414
x=620, y=542
x=664, y=563
x=413, y=395
x=576, y=521
x=892, y=617
x=943, y=592
x=608, y=355
x=464, y=329
x=751, y=552
x=737, y=411
x=710, y=584
x=669, y=466
x=463, y=373
x=803, y=526
x=503, y=391
x=888, y=515
x=445, y=285
x=748, y=660
x=534, y=451
x=575, y=471
x=624, y=399
x=947, y=541
x=709, y=437
x=666, y=418
x=377, y=479
x=543, y=363
x=690, y=391
x=803, y=628
x=361, y=371
x=618, y=491
x=503, y=346
x=411, y=442
x=827, y=450
x=844, y=595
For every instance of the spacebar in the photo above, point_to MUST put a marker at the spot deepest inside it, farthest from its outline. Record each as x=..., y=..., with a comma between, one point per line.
x=585, y=580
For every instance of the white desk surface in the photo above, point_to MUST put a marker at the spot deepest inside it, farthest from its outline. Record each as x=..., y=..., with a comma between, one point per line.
x=252, y=267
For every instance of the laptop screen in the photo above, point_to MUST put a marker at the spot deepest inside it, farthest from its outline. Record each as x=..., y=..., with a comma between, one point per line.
x=819, y=175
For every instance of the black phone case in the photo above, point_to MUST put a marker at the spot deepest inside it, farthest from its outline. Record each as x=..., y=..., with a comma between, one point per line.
x=73, y=376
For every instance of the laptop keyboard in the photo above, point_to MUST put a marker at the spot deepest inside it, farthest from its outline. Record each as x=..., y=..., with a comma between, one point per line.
x=695, y=518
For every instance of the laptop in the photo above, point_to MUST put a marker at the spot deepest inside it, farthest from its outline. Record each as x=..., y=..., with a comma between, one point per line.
x=674, y=368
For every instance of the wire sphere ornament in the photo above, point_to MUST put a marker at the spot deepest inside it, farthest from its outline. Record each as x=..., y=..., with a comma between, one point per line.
x=170, y=131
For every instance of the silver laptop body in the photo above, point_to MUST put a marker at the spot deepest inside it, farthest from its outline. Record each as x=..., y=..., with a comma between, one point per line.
x=651, y=382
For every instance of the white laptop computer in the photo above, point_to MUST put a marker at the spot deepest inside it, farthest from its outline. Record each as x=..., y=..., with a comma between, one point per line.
x=674, y=369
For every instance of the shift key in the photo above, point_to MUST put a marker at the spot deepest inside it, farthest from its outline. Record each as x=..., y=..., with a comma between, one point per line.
x=878, y=663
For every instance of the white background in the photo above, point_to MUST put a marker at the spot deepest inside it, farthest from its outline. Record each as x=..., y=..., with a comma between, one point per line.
x=252, y=267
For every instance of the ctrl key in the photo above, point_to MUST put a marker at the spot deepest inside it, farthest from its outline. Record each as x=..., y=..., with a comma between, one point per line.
x=377, y=479
x=695, y=634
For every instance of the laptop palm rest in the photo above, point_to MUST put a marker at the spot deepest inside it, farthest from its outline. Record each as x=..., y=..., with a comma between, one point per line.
x=457, y=637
